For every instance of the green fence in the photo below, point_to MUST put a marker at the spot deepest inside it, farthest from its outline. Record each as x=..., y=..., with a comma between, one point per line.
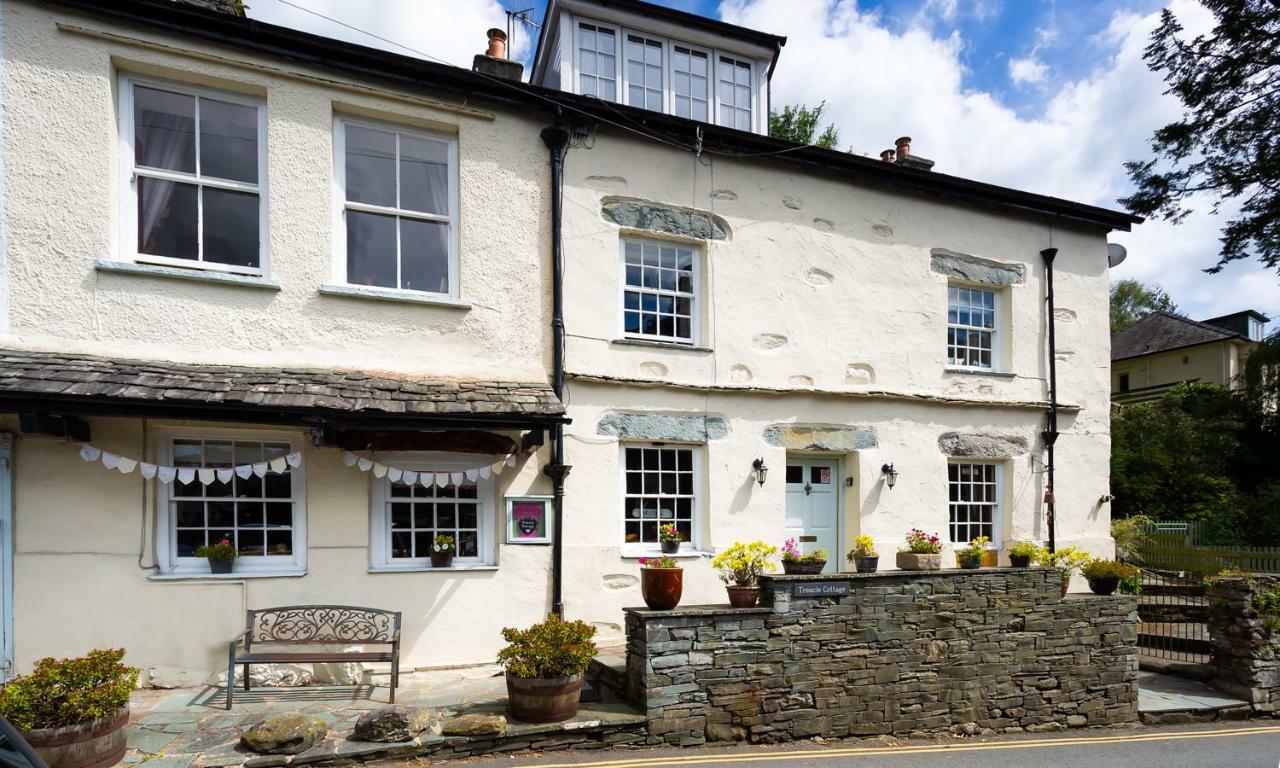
x=1176, y=547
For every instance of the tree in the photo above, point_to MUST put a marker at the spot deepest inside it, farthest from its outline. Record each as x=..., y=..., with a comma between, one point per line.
x=1131, y=301
x=799, y=123
x=1227, y=143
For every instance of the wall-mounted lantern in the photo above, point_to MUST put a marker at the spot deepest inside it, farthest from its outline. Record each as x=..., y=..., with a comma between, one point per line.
x=759, y=470
x=890, y=475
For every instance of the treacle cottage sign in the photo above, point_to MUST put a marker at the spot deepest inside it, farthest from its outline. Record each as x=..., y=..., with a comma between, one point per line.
x=820, y=589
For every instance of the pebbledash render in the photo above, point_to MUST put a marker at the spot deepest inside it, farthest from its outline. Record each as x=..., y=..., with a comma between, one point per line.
x=327, y=270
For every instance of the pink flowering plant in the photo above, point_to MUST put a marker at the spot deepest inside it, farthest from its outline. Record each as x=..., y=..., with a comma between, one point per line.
x=921, y=543
x=669, y=532
x=658, y=562
x=791, y=553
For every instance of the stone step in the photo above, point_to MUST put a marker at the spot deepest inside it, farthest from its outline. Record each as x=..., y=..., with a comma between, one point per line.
x=609, y=670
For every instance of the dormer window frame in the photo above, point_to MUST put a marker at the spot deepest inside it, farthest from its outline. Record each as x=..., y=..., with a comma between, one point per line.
x=622, y=80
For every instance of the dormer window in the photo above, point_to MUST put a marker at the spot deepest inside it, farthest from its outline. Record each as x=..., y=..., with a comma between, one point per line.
x=662, y=60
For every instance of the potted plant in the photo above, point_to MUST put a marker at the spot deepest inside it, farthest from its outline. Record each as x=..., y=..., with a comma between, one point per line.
x=1105, y=575
x=221, y=556
x=1022, y=552
x=670, y=538
x=1067, y=562
x=661, y=582
x=864, y=557
x=795, y=562
x=544, y=666
x=971, y=556
x=73, y=712
x=922, y=553
x=740, y=567
x=442, y=549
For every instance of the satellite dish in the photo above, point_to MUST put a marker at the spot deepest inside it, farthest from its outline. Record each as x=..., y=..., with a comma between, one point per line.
x=1116, y=254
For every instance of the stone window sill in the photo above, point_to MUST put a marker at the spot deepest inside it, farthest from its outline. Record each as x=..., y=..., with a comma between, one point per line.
x=429, y=569
x=394, y=295
x=192, y=275
x=974, y=372
x=659, y=345
x=233, y=576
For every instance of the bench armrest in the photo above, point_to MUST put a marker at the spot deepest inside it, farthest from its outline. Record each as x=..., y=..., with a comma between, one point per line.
x=238, y=639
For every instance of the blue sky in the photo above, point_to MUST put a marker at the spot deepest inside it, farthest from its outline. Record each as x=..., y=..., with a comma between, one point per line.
x=1042, y=95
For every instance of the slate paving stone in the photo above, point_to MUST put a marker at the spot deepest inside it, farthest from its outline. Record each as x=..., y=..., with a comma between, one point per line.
x=151, y=742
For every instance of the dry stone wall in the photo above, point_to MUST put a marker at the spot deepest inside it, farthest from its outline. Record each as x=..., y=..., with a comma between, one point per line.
x=966, y=652
x=1246, y=646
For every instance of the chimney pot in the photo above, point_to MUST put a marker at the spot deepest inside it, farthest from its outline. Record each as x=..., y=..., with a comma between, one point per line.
x=887, y=155
x=904, y=146
x=497, y=44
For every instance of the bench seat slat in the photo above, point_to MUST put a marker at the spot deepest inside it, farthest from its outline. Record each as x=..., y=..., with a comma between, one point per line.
x=310, y=656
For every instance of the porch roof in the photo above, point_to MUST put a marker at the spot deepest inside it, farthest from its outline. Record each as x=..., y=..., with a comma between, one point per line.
x=55, y=382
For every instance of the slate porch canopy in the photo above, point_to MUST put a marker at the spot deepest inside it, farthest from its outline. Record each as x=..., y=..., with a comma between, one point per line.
x=70, y=384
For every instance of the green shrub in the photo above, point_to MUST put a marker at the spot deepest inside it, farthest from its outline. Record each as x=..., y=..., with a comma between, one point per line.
x=1109, y=569
x=69, y=691
x=554, y=648
x=1024, y=548
x=223, y=550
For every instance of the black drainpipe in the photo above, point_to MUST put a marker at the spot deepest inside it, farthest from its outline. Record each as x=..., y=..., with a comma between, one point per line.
x=1051, y=427
x=556, y=137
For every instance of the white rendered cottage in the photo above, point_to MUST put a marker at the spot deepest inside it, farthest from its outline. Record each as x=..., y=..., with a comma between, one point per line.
x=327, y=302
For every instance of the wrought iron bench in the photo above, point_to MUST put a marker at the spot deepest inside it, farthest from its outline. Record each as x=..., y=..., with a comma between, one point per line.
x=315, y=625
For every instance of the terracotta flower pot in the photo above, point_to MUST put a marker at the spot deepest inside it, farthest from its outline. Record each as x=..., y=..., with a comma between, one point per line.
x=1103, y=585
x=866, y=564
x=441, y=559
x=221, y=566
x=96, y=744
x=743, y=597
x=803, y=567
x=543, y=700
x=661, y=587
x=1066, y=584
x=671, y=547
x=910, y=561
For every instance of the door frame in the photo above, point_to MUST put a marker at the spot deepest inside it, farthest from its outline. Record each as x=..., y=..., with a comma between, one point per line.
x=839, y=494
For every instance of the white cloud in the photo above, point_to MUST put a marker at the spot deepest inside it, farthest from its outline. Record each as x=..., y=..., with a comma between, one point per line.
x=1073, y=148
x=1027, y=71
x=448, y=30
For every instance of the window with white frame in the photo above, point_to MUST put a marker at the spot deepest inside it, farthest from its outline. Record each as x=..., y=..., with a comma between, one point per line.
x=195, y=164
x=660, y=483
x=644, y=72
x=691, y=82
x=659, y=291
x=399, y=207
x=263, y=517
x=407, y=518
x=734, y=93
x=974, y=492
x=597, y=61
x=971, y=328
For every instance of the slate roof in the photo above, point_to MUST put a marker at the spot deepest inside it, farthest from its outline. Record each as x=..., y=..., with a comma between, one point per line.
x=45, y=376
x=1162, y=331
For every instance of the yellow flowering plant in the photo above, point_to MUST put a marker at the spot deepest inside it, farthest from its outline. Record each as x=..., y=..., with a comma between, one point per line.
x=863, y=546
x=742, y=564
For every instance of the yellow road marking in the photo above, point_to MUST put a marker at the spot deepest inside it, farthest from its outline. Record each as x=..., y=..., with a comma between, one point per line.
x=654, y=762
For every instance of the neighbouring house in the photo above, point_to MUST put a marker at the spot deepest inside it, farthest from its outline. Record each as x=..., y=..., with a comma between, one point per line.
x=1164, y=349
x=327, y=302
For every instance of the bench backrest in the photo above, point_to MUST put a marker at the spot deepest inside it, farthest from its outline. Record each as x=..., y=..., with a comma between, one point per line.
x=322, y=624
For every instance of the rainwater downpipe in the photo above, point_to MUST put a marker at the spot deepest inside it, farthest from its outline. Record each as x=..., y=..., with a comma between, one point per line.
x=1050, y=434
x=556, y=137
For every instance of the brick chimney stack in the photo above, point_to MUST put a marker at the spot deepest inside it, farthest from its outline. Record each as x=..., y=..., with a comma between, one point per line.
x=904, y=156
x=494, y=61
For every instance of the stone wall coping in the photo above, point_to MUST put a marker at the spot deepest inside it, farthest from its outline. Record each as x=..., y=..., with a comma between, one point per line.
x=687, y=611
x=898, y=574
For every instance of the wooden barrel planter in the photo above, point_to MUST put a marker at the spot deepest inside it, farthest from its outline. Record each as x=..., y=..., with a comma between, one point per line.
x=98, y=743
x=543, y=700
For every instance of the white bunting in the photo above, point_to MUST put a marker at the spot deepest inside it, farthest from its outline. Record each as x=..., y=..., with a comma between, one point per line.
x=364, y=464
x=442, y=479
x=409, y=477
x=379, y=470
x=244, y=471
x=225, y=475
x=456, y=478
x=260, y=469
x=427, y=479
x=498, y=467
x=89, y=453
x=294, y=459
x=472, y=474
x=511, y=460
x=486, y=472
x=186, y=475
x=126, y=465
x=394, y=474
x=278, y=464
x=166, y=474
x=206, y=475
x=148, y=470
x=349, y=458
x=110, y=460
